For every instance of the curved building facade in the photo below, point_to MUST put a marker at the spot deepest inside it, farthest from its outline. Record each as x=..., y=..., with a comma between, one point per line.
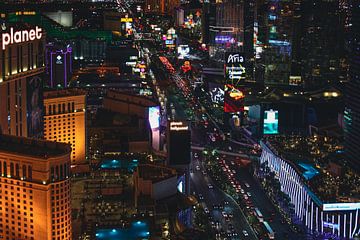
x=35, y=196
x=335, y=218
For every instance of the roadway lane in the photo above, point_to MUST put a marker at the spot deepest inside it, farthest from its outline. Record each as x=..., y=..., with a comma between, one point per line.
x=261, y=201
x=199, y=185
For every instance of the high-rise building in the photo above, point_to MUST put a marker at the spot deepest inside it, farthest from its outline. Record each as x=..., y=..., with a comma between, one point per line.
x=58, y=66
x=228, y=32
x=21, y=68
x=162, y=6
x=35, y=198
x=179, y=149
x=352, y=110
x=275, y=20
x=320, y=50
x=64, y=120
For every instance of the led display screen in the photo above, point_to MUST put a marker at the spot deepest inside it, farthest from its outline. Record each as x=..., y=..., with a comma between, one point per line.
x=154, y=117
x=35, y=106
x=216, y=92
x=233, y=99
x=271, y=122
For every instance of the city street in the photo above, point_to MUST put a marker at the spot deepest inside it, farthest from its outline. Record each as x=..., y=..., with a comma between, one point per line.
x=214, y=196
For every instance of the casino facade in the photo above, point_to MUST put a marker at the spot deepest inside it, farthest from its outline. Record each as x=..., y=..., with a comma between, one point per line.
x=336, y=218
x=21, y=68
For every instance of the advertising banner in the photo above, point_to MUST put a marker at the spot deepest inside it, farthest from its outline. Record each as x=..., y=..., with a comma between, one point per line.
x=271, y=122
x=233, y=99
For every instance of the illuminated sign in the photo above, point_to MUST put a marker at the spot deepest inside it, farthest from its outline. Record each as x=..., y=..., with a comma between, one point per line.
x=331, y=225
x=295, y=80
x=20, y=36
x=271, y=122
x=233, y=99
x=234, y=58
x=178, y=126
x=154, y=117
x=234, y=68
x=126, y=19
x=130, y=63
x=341, y=206
x=217, y=95
x=224, y=39
x=181, y=184
x=169, y=42
x=183, y=51
x=27, y=13
x=59, y=59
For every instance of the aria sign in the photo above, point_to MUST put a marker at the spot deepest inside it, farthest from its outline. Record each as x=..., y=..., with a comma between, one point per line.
x=20, y=36
x=232, y=58
x=235, y=70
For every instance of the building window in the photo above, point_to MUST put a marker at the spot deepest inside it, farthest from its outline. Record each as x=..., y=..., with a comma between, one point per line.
x=24, y=171
x=30, y=172
x=17, y=174
x=5, y=169
x=11, y=169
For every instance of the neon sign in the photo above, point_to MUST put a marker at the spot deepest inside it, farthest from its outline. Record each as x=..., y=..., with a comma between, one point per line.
x=20, y=36
x=178, y=126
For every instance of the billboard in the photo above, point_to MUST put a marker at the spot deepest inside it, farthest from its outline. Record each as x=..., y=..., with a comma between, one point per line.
x=35, y=106
x=234, y=68
x=233, y=99
x=179, y=143
x=216, y=93
x=183, y=51
x=271, y=122
x=154, y=117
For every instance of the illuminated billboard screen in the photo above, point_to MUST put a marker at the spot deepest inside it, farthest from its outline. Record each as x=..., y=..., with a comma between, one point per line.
x=154, y=117
x=235, y=70
x=35, y=106
x=271, y=122
x=216, y=92
x=181, y=184
x=233, y=99
x=183, y=51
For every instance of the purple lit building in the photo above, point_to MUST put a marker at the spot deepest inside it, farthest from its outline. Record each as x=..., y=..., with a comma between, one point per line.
x=58, y=66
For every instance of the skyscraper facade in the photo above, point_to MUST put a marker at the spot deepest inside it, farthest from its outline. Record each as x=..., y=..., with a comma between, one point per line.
x=34, y=189
x=21, y=68
x=64, y=120
x=352, y=110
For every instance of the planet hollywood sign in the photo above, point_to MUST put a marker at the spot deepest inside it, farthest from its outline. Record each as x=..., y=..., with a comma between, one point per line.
x=20, y=36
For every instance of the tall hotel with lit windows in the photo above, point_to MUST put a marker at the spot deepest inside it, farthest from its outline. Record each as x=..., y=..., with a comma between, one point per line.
x=352, y=110
x=21, y=68
x=64, y=120
x=35, y=198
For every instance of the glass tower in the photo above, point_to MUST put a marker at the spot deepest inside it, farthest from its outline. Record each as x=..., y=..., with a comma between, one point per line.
x=352, y=110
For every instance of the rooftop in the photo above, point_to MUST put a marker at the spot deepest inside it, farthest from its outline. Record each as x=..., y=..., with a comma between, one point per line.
x=32, y=147
x=64, y=93
x=316, y=158
x=155, y=173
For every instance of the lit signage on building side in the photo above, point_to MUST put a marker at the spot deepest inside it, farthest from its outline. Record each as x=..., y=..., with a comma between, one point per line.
x=341, y=206
x=178, y=126
x=20, y=36
x=234, y=68
x=154, y=117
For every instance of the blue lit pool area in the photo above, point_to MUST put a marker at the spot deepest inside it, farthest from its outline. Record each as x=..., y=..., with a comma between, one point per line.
x=113, y=164
x=137, y=230
x=309, y=172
